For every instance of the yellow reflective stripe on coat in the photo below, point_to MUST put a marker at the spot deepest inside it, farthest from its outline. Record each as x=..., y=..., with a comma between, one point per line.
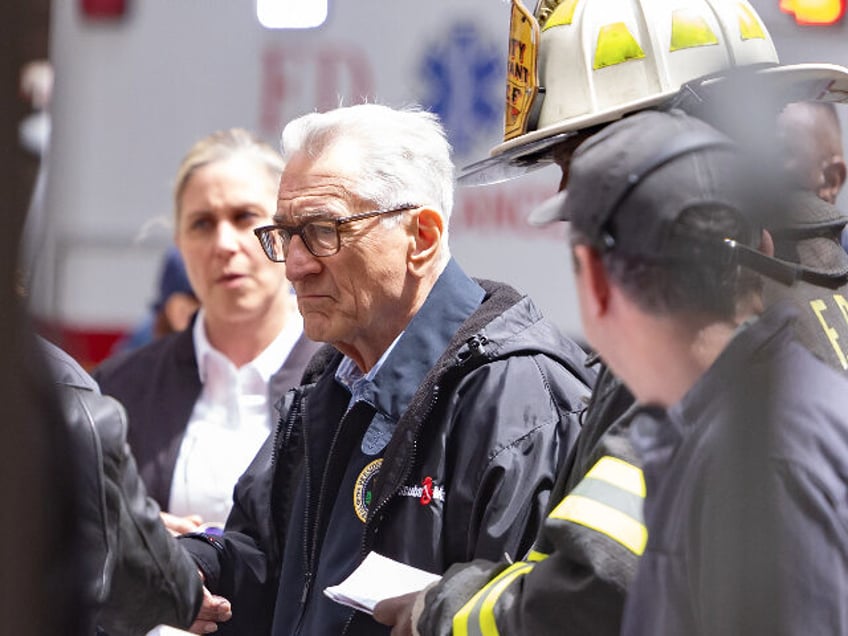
x=689, y=29
x=535, y=556
x=477, y=616
x=616, y=45
x=609, y=500
x=619, y=473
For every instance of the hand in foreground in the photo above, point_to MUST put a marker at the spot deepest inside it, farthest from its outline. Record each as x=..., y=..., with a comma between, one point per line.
x=181, y=525
x=214, y=610
x=397, y=612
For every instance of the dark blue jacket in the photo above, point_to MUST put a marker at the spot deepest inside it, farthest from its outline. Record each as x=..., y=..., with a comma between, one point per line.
x=747, y=505
x=481, y=400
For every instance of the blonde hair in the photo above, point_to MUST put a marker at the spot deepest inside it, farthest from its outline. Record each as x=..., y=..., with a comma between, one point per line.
x=222, y=145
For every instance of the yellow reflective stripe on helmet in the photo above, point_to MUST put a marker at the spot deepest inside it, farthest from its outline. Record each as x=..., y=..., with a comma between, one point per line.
x=749, y=26
x=616, y=45
x=618, y=526
x=562, y=15
x=476, y=618
x=689, y=29
x=619, y=473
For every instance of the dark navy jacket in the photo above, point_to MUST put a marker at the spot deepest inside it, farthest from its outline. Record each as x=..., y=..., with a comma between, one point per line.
x=471, y=414
x=747, y=496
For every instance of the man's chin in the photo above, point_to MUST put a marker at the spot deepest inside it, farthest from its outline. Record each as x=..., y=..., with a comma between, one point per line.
x=315, y=329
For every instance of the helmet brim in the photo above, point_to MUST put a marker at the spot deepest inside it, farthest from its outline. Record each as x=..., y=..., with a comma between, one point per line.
x=518, y=156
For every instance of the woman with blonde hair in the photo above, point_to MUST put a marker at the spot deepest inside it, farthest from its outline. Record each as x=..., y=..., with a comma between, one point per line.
x=202, y=401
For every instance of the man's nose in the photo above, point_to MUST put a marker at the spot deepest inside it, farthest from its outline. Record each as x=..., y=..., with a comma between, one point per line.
x=299, y=261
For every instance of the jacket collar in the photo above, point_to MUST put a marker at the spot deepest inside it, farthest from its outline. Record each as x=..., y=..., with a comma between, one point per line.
x=452, y=300
x=658, y=431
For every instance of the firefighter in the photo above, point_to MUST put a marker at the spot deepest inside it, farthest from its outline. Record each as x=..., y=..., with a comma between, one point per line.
x=810, y=147
x=596, y=61
x=741, y=429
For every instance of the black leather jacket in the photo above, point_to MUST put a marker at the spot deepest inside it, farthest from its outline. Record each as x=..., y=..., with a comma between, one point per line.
x=136, y=574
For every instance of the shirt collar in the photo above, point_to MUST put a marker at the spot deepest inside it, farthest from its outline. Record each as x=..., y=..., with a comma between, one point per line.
x=202, y=347
x=415, y=351
x=349, y=375
x=266, y=364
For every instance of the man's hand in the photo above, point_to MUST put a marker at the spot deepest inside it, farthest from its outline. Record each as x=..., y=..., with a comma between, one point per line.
x=397, y=612
x=213, y=610
x=180, y=525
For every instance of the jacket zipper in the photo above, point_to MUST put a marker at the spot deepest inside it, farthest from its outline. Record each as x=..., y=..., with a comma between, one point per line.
x=409, y=464
x=307, y=476
x=476, y=346
x=373, y=516
x=282, y=433
x=309, y=555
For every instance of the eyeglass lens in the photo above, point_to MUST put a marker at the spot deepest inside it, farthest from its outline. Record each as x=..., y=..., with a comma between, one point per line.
x=321, y=238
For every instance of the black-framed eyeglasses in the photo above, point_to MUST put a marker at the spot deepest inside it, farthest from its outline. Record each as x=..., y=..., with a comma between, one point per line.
x=321, y=236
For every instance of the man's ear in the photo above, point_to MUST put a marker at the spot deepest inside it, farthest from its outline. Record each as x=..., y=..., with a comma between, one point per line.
x=833, y=177
x=592, y=281
x=426, y=234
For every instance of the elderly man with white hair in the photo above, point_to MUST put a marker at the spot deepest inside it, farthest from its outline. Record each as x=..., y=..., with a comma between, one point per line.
x=431, y=427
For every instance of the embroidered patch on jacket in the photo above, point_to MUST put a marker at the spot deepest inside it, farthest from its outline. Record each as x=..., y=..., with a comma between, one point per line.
x=363, y=489
x=378, y=434
x=425, y=492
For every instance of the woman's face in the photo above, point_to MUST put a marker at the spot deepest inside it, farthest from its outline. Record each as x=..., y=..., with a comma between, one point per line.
x=220, y=205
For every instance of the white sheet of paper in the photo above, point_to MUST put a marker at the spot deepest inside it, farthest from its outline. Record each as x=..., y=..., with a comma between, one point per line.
x=164, y=630
x=378, y=578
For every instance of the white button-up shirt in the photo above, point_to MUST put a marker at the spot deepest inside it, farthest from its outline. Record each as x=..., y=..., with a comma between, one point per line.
x=230, y=420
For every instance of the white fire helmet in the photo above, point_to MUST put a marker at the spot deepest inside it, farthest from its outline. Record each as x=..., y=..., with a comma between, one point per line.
x=575, y=64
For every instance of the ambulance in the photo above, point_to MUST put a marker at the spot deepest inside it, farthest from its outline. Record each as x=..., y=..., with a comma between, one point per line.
x=138, y=81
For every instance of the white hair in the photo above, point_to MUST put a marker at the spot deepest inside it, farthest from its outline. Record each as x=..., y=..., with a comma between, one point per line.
x=405, y=154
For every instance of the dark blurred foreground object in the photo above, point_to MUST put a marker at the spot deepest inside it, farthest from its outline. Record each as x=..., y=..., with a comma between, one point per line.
x=136, y=574
x=37, y=536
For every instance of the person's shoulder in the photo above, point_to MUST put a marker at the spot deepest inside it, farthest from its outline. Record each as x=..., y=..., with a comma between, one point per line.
x=127, y=365
x=520, y=329
x=64, y=368
x=813, y=382
x=105, y=414
x=809, y=411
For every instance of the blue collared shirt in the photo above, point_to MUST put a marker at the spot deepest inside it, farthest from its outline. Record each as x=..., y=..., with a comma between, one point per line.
x=391, y=383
